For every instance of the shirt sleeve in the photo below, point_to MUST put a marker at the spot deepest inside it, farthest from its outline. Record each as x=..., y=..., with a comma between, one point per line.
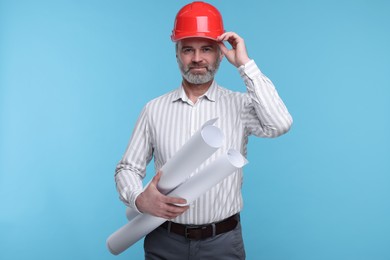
x=132, y=167
x=264, y=113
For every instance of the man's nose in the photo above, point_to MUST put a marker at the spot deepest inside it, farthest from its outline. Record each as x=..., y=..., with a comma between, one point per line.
x=197, y=56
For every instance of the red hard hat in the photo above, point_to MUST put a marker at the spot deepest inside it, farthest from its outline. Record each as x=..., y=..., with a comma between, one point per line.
x=197, y=19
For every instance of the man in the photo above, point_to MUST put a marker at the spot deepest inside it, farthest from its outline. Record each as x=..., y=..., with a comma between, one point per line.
x=210, y=227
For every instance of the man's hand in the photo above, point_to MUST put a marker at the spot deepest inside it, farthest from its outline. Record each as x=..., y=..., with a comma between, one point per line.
x=237, y=55
x=153, y=202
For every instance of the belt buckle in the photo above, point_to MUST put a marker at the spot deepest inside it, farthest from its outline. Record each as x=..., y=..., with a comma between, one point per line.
x=196, y=232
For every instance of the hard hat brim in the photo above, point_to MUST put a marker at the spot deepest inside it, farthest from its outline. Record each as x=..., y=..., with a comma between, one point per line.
x=176, y=39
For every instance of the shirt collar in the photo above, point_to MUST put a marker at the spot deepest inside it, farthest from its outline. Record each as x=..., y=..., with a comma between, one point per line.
x=211, y=93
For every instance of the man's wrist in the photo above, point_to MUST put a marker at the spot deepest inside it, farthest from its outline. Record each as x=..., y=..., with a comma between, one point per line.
x=247, y=69
x=133, y=203
x=246, y=64
x=243, y=62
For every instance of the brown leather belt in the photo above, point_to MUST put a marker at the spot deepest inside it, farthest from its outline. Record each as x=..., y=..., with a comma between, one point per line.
x=195, y=232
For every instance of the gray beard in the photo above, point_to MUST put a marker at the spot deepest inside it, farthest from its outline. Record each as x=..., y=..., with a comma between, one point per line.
x=198, y=79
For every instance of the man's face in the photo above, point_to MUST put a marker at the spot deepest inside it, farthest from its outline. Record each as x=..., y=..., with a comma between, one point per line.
x=198, y=59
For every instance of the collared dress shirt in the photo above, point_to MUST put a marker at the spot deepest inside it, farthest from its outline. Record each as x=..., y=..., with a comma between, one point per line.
x=167, y=122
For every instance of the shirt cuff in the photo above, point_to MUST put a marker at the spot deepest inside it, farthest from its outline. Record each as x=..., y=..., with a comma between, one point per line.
x=132, y=198
x=249, y=70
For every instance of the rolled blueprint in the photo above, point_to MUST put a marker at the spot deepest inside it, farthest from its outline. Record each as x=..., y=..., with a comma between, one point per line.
x=190, y=156
x=190, y=190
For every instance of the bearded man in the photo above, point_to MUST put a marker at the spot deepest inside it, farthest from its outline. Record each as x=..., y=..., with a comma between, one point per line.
x=208, y=228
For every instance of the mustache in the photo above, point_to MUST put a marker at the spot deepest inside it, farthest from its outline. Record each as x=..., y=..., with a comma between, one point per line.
x=197, y=66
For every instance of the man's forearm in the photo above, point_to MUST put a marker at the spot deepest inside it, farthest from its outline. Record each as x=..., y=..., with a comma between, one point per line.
x=129, y=186
x=270, y=109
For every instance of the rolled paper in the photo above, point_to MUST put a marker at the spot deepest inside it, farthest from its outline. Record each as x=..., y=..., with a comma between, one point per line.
x=211, y=175
x=131, y=232
x=191, y=189
x=190, y=156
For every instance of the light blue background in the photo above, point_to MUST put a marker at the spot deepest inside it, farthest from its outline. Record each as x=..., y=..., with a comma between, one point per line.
x=74, y=76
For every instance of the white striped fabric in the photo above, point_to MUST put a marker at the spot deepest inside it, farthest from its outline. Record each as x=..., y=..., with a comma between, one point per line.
x=167, y=122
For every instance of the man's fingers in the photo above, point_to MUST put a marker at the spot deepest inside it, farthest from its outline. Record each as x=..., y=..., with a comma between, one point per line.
x=176, y=209
x=158, y=204
x=225, y=36
x=230, y=37
x=172, y=206
x=170, y=211
x=172, y=200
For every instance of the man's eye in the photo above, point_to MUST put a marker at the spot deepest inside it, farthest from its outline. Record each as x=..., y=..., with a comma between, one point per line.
x=207, y=49
x=187, y=50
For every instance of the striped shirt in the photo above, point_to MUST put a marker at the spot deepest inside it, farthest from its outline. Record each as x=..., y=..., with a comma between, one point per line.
x=167, y=122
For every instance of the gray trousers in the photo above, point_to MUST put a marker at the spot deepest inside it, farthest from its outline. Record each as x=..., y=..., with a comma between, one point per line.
x=159, y=245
